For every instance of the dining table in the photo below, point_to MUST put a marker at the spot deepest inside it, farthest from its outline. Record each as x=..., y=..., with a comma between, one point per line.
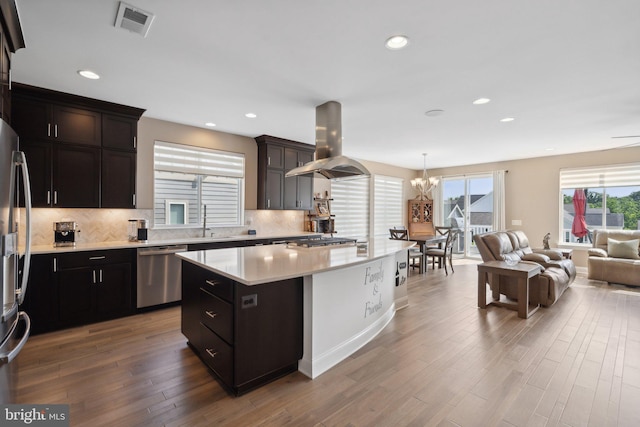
x=425, y=240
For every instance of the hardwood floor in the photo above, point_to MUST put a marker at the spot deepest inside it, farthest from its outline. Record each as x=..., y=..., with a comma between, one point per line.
x=440, y=362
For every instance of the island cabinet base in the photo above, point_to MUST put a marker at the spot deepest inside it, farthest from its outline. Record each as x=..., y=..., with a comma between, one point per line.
x=246, y=335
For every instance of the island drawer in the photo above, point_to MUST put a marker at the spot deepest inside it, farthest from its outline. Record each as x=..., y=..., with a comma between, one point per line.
x=217, y=315
x=219, y=286
x=217, y=354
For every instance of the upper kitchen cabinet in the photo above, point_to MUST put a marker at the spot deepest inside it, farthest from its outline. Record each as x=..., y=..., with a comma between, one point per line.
x=34, y=119
x=94, y=140
x=11, y=39
x=119, y=132
x=277, y=156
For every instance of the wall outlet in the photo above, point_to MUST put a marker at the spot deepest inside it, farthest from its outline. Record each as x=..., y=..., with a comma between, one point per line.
x=516, y=222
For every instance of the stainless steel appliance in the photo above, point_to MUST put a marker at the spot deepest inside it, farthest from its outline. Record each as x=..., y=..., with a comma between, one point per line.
x=159, y=275
x=64, y=233
x=15, y=325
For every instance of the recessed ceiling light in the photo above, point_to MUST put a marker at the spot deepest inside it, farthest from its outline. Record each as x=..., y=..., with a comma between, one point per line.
x=481, y=101
x=507, y=119
x=251, y=115
x=89, y=74
x=209, y=124
x=434, y=113
x=396, y=42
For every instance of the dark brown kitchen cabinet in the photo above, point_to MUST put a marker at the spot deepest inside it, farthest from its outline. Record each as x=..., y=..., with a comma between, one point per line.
x=118, y=179
x=11, y=39
x=94, y=286
x=246, y=335
x=38, y=155
x=90, y=160
x=276, y=156
x=298, y=190
x=41, y=298
x=75, y=288
x=60, y=123
x=63, y=175
x=119, y=132
x=76, y=176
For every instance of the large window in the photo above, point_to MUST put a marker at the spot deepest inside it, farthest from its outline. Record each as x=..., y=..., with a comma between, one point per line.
x=388, y=201
x=350, y=206
x=604, y=197
x=189, y=181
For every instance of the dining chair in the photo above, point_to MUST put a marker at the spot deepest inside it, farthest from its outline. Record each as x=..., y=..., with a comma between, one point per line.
x=414, y=253
x=445, y=253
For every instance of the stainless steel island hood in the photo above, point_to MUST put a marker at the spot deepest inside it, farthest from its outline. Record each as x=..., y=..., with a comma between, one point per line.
x=329, y=161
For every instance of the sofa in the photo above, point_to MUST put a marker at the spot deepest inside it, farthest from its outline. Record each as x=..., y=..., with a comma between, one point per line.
x=547, y=287
x=614, y=257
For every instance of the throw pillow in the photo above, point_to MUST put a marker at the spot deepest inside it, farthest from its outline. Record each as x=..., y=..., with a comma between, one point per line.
x=623, y=248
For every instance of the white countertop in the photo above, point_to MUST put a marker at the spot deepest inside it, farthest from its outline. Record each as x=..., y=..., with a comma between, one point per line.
x=254, y=265
x=96, y=246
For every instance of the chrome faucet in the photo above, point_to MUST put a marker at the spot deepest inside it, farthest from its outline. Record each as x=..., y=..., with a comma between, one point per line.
x=204, y=221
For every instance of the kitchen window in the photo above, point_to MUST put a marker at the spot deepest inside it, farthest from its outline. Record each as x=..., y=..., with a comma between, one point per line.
x=350, y=206
x=607, y=197
x=189, y=181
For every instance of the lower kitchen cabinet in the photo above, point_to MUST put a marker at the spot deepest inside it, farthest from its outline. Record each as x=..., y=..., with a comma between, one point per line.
x=40, y=300
x=76, y=288
x=247, y=335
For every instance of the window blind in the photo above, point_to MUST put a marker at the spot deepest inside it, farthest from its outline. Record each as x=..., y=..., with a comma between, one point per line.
x=202, y=161
x=601, y=176
x=387, y=203
x=351, y=207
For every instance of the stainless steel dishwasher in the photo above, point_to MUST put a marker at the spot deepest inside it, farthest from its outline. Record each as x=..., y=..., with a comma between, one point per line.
x=159, y=275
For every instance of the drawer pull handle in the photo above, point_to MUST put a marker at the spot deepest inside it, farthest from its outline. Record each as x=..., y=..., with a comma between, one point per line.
x=212, y=282
x=211, y=314
x=211, y=353
x=94, y=258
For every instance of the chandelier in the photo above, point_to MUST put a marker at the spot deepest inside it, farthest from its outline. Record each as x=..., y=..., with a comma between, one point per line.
x=425, y=184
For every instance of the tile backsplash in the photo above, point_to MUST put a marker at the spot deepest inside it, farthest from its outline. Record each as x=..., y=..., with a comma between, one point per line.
x=106, y=225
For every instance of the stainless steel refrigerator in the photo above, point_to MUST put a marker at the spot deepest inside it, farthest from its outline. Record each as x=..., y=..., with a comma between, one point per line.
x=15, y=253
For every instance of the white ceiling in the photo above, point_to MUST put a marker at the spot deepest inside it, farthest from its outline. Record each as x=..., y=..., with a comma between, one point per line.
x=568, y=71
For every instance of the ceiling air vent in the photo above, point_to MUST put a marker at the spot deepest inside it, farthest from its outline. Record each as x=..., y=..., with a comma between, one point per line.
x=133, y=19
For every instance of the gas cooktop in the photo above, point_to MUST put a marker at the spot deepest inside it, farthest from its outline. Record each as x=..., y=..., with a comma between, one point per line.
x=321, y=242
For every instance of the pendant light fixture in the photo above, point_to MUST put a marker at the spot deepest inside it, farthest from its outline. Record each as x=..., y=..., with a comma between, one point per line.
x=425, y=184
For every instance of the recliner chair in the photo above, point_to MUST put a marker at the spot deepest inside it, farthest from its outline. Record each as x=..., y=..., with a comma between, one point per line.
x=558, y=273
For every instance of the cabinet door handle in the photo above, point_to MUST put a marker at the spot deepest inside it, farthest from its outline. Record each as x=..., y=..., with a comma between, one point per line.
x=135, y=142
x=134, y=200
x=55, y=197
x=211, y=314
x=268, y=203
x=48, y=197
x=100, y=281
x=93, y=274
x=55, y=130
x=211, y=353
x=212, y=282
x=55, y=264
x=48, y=129
x=94, y=258
x=268, y=161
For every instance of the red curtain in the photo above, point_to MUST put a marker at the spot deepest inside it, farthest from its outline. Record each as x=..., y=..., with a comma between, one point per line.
x=579, y=226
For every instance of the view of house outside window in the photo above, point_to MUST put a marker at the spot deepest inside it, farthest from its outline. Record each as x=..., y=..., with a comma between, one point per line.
x=189, y=181
x=599, y=198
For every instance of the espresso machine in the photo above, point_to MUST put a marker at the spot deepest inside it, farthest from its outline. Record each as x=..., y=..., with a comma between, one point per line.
x=64, y=233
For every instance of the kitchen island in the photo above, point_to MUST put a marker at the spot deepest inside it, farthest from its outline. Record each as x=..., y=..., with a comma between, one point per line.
x=256, y=313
